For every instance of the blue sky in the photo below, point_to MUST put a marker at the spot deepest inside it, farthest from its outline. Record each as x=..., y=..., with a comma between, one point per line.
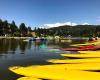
x=36, y=13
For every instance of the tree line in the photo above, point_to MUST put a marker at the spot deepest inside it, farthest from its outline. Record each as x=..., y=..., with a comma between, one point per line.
x=11, y=29
x=75, y=31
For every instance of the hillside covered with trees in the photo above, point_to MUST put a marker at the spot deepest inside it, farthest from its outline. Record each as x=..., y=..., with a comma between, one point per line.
x=12, y=30
x=75, y=31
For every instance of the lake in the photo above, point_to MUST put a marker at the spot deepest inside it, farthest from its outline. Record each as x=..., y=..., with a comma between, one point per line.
x=14, y=52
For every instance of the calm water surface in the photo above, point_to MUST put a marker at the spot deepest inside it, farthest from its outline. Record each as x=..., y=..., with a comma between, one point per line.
x=15, y=52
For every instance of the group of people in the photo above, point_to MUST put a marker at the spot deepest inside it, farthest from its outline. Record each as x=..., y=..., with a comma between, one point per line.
x=93, y=38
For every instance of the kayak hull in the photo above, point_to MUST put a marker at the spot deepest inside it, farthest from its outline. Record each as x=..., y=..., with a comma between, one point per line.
x=82, y=48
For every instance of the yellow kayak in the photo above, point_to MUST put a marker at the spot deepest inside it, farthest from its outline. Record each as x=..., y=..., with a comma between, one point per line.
x=94, y=52
x=31, y=78
x=88, y=55
x=56, y=74
x=28, y=78
x=80, y=44
x=82, y=66
x=87, y=60
x=89, y=43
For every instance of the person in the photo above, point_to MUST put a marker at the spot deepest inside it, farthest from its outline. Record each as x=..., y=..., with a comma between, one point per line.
x=96, y=38
x=91, y=39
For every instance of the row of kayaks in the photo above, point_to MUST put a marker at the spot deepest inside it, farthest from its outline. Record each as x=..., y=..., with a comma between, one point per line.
x=86, y=67
x=77, y=69
x=82, y=48
x=74, y=70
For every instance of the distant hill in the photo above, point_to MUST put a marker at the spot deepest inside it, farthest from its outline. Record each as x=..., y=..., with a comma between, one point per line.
x=75, y=31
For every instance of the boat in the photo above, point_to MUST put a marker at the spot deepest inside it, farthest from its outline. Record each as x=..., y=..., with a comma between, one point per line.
x=35, y=39
x=90, y=52
x=28, y=78
x=80, y=55
x=60, y=72
x=29, y=39
x=75, y=61
x=82, y=48
x=87, y=43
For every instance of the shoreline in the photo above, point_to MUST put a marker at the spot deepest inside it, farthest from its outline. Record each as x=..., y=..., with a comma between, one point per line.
x=15, y=37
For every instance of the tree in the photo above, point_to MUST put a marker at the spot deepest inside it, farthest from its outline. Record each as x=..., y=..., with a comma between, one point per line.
x=23, y=29
x=5, y=27
x=29, y=29
x=13, y=28
x=1, y=27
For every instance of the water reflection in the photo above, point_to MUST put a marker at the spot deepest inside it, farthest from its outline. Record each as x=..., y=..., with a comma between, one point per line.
x=7, y=45
x=13, y=45
x=23, y=46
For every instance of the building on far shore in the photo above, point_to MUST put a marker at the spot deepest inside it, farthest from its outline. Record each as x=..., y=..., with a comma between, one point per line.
x=33, y=34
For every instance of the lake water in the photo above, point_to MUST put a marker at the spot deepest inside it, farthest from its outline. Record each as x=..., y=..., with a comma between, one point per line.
x=15, y=52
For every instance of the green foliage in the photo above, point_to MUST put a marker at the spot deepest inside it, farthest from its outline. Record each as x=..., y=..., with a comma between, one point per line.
x=23, y=29
x=17, y=34
x=75, y=31
x=30, y=35
x=11, y=29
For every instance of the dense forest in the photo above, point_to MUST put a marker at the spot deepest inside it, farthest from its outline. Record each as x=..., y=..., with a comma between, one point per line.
x=11, y=29
x=75, y=31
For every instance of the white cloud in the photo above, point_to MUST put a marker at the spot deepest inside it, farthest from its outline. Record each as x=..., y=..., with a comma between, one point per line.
x=59, y=24
x=85, y=23
x=62, y=24
x=74, y=24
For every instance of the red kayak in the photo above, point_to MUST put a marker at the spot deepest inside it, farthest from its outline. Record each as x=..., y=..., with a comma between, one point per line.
x=82, y=48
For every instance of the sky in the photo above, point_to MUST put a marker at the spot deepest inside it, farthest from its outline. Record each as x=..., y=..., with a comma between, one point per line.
x=40, y=13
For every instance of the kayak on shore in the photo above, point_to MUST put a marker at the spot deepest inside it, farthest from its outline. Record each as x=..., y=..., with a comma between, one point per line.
x=88, y=43
x=82, y=48
x=87, y=55
x=85, y=60
x=59, y=72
